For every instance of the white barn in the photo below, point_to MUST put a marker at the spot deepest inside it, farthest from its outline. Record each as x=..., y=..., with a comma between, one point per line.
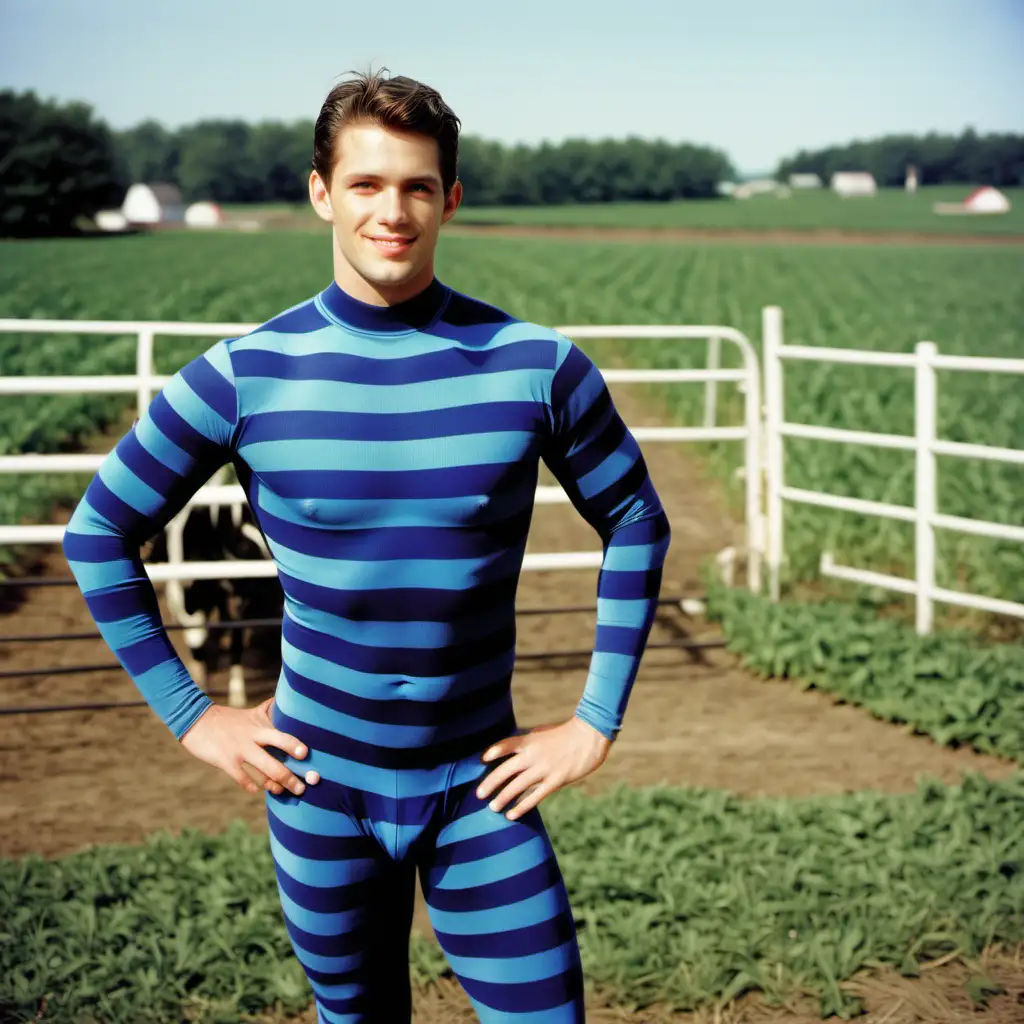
x=204, y=215
x=153, y=204
x=981, y=201
x=853, y=183
x=805, y=179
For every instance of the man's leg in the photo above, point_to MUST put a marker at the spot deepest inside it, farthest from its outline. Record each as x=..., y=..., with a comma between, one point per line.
x=500, y=910
x=348, y=909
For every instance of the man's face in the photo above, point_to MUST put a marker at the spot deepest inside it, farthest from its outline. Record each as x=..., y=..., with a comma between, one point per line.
x=387, y=204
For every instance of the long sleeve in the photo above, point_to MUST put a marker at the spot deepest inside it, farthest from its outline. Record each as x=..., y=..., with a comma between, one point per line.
x=183, y=437
x=599, y=464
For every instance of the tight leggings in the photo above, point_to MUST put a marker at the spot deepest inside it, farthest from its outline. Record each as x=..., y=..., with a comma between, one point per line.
x=346, y=859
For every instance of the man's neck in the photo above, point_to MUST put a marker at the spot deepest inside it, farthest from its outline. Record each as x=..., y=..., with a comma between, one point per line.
x=358, y=287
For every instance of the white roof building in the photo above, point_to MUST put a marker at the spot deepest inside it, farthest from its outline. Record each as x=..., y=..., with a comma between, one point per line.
x=805, y=180
x=153, y=204
x=204, y=215
x=853, y=183
x=982, y=200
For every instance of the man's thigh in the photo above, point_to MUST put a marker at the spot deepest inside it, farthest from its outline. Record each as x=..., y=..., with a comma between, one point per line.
x=348, y=910
x=499, y=908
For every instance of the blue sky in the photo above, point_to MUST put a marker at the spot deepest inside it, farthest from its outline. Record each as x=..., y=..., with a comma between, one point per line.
x=756, y=78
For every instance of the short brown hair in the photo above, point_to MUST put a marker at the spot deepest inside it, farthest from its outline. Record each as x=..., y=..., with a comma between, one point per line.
x=401, y=104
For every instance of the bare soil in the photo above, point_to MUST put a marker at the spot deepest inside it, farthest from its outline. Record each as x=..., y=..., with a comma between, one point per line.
x=80, y=777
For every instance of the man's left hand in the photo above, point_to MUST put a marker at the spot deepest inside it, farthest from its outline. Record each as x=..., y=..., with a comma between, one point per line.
x=543, y=760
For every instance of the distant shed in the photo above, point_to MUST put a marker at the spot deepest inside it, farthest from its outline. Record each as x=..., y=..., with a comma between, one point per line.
x=158, y=203
x=849, y=184
x=982, y=200
x=204, y=215
x=805, y=180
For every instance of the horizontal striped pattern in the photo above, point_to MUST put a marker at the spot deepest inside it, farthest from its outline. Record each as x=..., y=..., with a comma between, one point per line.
x=390, y=456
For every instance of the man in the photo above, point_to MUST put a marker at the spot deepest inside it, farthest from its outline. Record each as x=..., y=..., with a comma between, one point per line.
x=388, y=433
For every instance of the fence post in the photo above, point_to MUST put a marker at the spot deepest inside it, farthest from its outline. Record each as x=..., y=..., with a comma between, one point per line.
x=711, y=386
x=924, y=481
x=144, y=368
x=771, y=342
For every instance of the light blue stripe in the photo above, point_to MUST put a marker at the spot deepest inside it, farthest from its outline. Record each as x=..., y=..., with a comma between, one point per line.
x=162, y=448
x=517, y=969
x=494, y=868
x=127, y=631
x=100, y=575
x=533, y=910
x=380, y=686
x=220, y=359
x=413, y=633
x=195, y=412
x=332, y=964
x=430, y=573
x=394, y=737
x=469, y=826
x=87, y=521
x=323, y=874
x=621, y=612
x=266, y=394
x=328, y=455
x=628, y=557
x=612, y=668
x=337, y=923
x=124, y=484
x=308, y=817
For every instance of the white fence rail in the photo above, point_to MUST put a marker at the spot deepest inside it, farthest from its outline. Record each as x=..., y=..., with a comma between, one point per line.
x=925, y=445
x=145, y=383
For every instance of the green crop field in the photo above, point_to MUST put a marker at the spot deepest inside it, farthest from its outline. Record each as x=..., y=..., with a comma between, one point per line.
x=967, y=300
x=892, y=210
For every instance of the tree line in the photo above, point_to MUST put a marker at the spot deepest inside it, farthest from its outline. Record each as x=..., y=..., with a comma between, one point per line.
x=993, y=159
x=59, y=162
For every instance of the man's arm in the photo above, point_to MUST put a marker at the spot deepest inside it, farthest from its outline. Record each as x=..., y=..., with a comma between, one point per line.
x=599, y=464
x=184, y=435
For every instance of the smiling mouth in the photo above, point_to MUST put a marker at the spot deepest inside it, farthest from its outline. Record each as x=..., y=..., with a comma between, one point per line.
x=391, y=243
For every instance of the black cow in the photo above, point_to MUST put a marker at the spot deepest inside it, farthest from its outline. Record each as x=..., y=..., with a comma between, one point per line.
x=210, y=534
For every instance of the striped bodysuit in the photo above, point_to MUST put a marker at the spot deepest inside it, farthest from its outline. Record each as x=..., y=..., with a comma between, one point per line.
x=390, y=455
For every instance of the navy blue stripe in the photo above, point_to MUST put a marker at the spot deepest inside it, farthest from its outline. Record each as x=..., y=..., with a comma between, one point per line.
x=211, y=387
x=527, y=996
x=136, y=598
x=317, y=847
x=301, y=320
x=146, y=654
x=489, y=418
x=92, y=547
x=152, y=472
x=402, y=604
x=487, y=845
x=399, y=758
x=496, y=894
x=398, y=542
x=352, y=369
x=329, y=899
x=436, y=713
x=400, y=661
x=180, y=431
x=619, y=640
x=514, y=942
x=629, y=586
x=574, y=368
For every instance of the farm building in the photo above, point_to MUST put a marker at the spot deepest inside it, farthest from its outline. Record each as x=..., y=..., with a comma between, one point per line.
x=153, y=204
x=800, y=180
x=982, y=200
x=111, y=220
x=204, y=215
x=760, y=187
x=848, y=184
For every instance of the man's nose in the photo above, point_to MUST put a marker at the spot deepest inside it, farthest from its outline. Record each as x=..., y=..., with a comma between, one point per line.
x=392, y=209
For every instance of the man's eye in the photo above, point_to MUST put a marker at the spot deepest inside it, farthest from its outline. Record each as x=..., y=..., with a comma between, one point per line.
x=425, y=188
x=362, y=184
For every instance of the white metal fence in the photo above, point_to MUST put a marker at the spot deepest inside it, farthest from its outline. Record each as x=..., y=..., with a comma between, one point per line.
x=925, y=445
x=144, y=383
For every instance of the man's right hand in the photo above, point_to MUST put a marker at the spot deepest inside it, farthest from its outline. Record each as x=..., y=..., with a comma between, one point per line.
x=232, y=739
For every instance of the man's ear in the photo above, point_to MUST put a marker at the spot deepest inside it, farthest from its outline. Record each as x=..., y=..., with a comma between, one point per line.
x=451, y=202
x=320, y=197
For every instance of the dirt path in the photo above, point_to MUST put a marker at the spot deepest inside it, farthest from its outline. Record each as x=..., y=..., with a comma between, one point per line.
x=76, y=778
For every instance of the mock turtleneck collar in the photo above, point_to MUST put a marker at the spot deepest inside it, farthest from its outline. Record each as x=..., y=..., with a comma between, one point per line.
x=410, y=315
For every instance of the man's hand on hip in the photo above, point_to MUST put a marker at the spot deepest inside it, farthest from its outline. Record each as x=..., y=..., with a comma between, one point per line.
x=232, y=739
x=542, y=760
